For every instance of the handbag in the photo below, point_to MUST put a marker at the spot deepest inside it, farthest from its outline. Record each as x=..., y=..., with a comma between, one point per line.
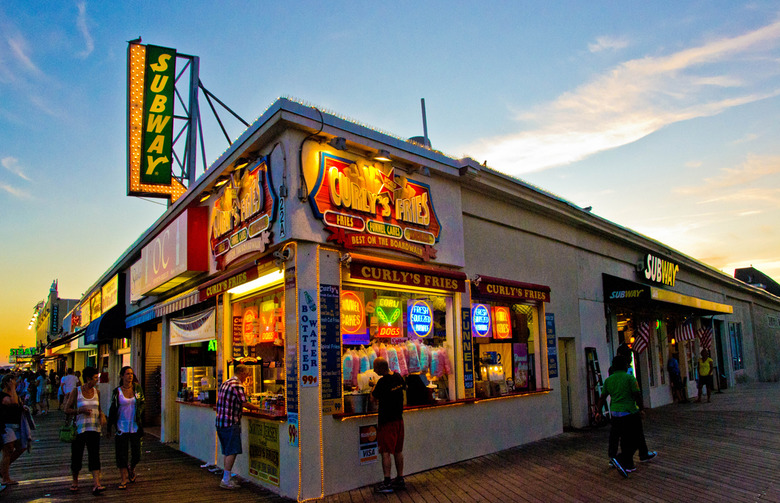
x=68, y=433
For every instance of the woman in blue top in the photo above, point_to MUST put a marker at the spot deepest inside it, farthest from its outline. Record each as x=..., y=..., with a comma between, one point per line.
x=125, y=414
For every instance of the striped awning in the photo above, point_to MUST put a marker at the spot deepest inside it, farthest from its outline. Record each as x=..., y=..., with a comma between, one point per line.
x=161, y=309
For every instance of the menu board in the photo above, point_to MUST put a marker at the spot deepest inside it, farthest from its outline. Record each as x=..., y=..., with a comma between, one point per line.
x=330, y=348
x=238, y=343
x=468, y=354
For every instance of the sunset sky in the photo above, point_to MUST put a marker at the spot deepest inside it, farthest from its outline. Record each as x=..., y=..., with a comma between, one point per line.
x=662, y=116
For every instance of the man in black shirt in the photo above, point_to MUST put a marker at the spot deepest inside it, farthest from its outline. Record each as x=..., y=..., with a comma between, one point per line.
x=389, y=391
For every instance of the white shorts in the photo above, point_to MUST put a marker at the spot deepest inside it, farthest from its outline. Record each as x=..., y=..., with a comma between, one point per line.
x=12, y=433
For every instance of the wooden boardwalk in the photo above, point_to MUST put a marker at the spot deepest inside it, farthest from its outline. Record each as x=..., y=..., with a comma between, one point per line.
x=725, y=451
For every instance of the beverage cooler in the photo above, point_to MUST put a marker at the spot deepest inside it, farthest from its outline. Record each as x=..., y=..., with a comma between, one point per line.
x=198, y=383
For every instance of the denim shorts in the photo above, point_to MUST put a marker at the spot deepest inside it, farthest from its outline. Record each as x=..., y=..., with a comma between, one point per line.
x=230, y=439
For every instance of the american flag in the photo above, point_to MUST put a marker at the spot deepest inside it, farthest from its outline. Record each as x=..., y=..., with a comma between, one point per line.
x=642, y=337
x=705, y=336
x=685, y=332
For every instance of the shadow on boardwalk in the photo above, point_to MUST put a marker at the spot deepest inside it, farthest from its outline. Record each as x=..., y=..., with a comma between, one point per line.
x=165, y=474
x=724, y=451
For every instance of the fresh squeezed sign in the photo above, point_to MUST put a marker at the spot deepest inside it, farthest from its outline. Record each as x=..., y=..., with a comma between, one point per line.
x=309, y=339
x=363, y=205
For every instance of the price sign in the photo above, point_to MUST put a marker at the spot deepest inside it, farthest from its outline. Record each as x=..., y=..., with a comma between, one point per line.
x=309, y=338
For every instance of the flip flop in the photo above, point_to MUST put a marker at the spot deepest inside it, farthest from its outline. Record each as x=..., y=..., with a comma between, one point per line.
x=132, y=477
x=122, y=486
x=97, y=490
x=74, y=488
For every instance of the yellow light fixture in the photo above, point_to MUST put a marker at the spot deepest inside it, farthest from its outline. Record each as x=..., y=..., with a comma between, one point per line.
x=674, y=341
x=205, y=197
x=632, y=340
x=382, y=156
x=275, y=276
x=221, y=182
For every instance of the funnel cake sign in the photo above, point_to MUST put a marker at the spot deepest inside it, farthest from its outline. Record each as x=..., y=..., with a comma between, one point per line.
x=367, y=206
x=242, y=215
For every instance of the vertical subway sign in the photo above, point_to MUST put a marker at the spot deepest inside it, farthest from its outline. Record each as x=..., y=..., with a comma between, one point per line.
x=157, y=150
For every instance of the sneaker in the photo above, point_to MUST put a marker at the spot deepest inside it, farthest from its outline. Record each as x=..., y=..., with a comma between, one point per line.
x=620, y=469
x=398, y=484
x=384, y=488
x=650, y=455
x=232, y=484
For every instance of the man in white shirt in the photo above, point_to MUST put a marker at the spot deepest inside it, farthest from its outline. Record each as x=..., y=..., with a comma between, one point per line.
x=68, y=382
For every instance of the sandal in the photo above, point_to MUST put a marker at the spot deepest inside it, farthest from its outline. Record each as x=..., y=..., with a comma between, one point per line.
x=74, y=488
x=132, y=476
x=122, y=486
x=97, y=490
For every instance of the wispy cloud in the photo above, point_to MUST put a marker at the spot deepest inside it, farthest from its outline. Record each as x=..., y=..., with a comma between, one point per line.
x=12, y=164
x=81, y=24
x=636, y=99
x=755, y=168
x=607, y=43
x=20, y=51
x=19, y=193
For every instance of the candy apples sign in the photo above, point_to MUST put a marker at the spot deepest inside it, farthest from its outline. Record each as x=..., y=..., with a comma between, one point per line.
x=367, y=205
x=242, y=215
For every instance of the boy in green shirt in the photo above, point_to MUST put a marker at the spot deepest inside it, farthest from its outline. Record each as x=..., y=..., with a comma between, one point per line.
x=625, y=408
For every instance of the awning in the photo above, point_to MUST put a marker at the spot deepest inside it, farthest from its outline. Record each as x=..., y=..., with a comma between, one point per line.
x=160, y=309
x=66, y=339
x=106, y=327
x=638, y=296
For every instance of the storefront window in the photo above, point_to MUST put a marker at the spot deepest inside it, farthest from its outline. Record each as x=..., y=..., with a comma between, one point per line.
x=504, y=353
x=197, y=364
x=412, y=330
x=258, y=342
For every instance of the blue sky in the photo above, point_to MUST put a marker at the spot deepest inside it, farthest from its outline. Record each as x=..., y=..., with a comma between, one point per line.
x=662, y=116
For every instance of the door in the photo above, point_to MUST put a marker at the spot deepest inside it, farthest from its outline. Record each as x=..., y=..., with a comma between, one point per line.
x=565, y=352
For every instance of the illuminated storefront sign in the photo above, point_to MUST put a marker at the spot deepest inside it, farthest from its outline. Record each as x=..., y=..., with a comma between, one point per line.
x=268, y=324
x=502, y=325
x=453, y=282
x=241, y=216
x=151, y=86
x=110, y=293
x=389, y=317
x=353, y=318
x=250, y=324
x=420, y=318
x=658, y=270
x=96, y=306
x=501, y=289
x=367, y=205
x=174, y=255
x=481, y=325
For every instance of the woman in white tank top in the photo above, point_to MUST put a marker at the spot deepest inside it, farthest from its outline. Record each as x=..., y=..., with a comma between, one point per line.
x=84, y=402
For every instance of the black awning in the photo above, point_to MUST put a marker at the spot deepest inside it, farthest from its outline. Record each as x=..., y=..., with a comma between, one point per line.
x=110, y=325
x=640, y=297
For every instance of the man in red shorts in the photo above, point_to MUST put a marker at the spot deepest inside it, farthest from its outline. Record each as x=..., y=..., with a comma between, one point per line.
x=389, y=391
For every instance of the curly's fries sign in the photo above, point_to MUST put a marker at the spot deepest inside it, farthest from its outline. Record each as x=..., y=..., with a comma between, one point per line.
x=368, y=205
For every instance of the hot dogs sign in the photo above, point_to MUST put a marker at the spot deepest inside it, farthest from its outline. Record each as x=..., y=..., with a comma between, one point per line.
x=368, y=205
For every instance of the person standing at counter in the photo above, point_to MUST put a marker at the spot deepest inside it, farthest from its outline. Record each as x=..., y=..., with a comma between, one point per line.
x=125, y=413
x=389, y=391
x=231, y=400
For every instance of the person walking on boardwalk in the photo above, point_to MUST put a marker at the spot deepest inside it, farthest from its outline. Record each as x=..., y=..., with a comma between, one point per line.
x=124, y=415
x=705, y=374
x=389, y=391
x=626, y=408
x=67, y=384
x=84, y=402
x=12, y=410
x=231, y=400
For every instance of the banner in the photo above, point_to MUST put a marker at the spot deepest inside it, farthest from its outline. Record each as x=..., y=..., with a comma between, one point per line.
x=196, y=328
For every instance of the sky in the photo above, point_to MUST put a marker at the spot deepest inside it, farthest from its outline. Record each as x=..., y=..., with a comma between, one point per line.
x=661, y=116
